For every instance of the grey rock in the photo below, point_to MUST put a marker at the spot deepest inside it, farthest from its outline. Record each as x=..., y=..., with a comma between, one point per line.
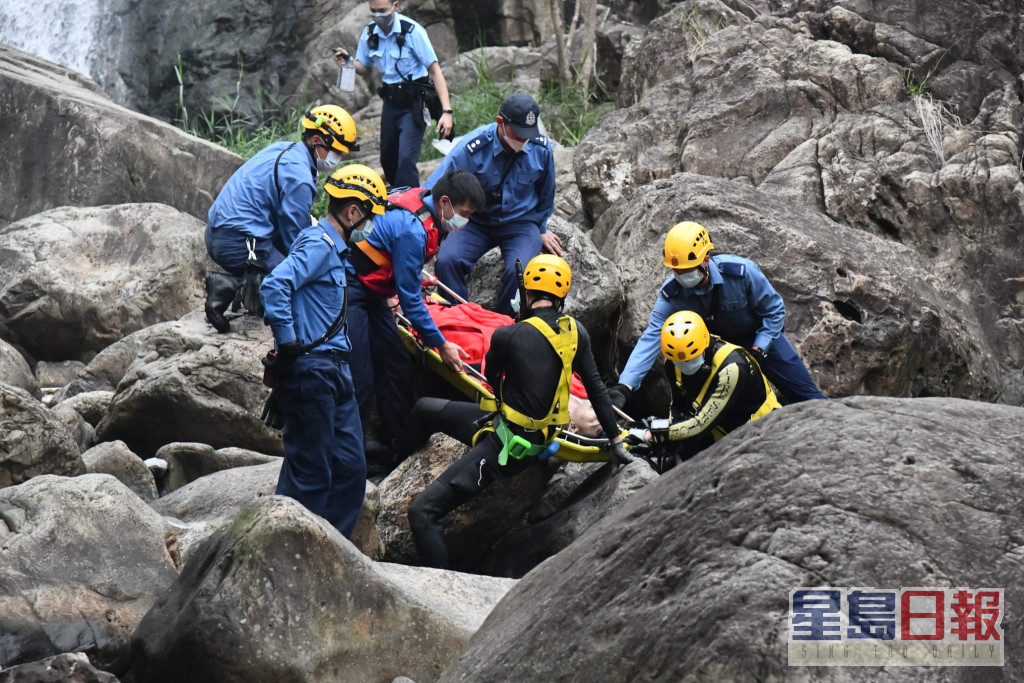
x=599, y=495
x=91, y=405
x=212, y=501
x=123, y=268
x=860, y=492
x=116, y=459
x=84, y=559
x=67, y=668
x=33, y=440
x=55, y=374
x=471, y=528
x=596, y=293
x=83, y=432
x=866, y=314
x=188, y=383
x=15, y=371
x=187, y=462
x=150, y=162
x=104, y=372
x=311, y=619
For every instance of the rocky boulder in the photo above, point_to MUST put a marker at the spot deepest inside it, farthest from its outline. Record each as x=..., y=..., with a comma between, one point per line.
x=322, y=610
x=866, y=314
x=471, y=528
x=117, y=460
x=33, y=440
x=188, y=383
x=122, y=268
x=68, y=668
x=81, y=431
x=83, y=561
x=874, y=492
x=596, y=293
x=15, y=371
x=91, y=405
x=187, y=462
x=150, y=162
x=105, y=371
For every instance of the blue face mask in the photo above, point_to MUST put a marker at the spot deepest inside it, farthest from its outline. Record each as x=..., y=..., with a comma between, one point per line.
x=690, y=367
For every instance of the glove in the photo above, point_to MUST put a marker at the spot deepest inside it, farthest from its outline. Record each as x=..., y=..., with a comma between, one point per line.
x=272, y=416
x=758, y=353
x=619, y=394
x=278, y=363
x=635, y=437
x=619, y=456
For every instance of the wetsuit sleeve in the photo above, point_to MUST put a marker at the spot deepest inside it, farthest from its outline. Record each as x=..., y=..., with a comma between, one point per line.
x=546, y=192
x=723, y=392
x=494, y=361
x=677, y=407
x=407, y=261
x=767, y=303
x=648, y=347
x=297, y=194
x=584, y=365
x=304, y=263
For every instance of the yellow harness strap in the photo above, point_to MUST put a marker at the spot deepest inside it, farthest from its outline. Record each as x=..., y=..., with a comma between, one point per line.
x=565, y=344
x=771, y=402
x=374, y=254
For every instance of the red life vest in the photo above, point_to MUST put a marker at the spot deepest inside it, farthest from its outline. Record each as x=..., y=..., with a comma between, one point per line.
x=374, y=266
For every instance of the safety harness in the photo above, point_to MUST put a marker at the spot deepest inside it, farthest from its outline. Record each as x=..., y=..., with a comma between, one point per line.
x=770, y=401
x=565, y=343
x=374, y=267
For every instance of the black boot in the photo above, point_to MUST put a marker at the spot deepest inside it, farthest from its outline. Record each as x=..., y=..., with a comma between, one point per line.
x=220, y=292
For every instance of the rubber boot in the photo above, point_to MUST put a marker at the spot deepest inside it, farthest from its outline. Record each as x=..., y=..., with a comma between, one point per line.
x=220, y=292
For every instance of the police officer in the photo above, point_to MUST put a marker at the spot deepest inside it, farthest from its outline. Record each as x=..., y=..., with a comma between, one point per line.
x=266, y=202
x=716, y=388
x=305, y=305
x=401, y=51
x=516, y=168
x=735, y=300
x=388, y=262
x=530, y=366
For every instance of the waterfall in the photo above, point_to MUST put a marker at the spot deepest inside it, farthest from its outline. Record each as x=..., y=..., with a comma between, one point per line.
x=83, y=35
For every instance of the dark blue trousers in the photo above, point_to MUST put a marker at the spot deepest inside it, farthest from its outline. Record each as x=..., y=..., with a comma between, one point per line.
x=227, y=249
x=323, y=468
x=381, y=365
x=401, y=135
x=785, y=369
x=461, y=249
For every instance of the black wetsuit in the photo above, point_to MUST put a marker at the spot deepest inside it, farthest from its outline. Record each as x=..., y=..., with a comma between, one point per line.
x=525, y=368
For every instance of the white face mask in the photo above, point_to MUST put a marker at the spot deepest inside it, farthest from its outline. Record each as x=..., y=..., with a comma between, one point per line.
x=455, y=222
x=330, y=162
x=514, y=145
x=690, y=367
x=690, y=279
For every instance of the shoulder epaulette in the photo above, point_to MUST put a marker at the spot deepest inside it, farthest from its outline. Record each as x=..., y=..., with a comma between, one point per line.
x=476, y=143
x=732, y=269
x=327, y=238
x=541, y=140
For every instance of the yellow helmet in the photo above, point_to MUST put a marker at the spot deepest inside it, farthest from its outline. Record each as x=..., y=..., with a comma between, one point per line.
x=684, y=336
x=362, y=182
x=335, y=123
x=548, y=273
x=686, y=245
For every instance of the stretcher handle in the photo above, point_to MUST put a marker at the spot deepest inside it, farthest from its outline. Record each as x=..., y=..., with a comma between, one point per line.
x=432, y=281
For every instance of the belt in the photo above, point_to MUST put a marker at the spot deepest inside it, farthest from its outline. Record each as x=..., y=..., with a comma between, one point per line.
x=335, y=355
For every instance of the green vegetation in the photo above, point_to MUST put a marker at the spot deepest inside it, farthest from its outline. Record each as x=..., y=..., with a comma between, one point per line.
x=914, y=87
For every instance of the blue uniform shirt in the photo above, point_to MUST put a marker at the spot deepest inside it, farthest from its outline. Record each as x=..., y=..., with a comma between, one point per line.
x=397, y=64
x=303, y=296
x=528, y=190
x=748, y=306
x=250, y=205
x=401, y=234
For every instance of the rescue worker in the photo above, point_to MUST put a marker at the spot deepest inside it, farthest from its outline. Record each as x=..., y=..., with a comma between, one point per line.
x=716, y=387
x=313, y=398
x=412, y=80
x=735, y=300
x=530, y=366
x=266, y=202
x=385, y=262
x=516, y=168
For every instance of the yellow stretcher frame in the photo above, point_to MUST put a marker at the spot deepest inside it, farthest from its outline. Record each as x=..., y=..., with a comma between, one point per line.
x=571, y=447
